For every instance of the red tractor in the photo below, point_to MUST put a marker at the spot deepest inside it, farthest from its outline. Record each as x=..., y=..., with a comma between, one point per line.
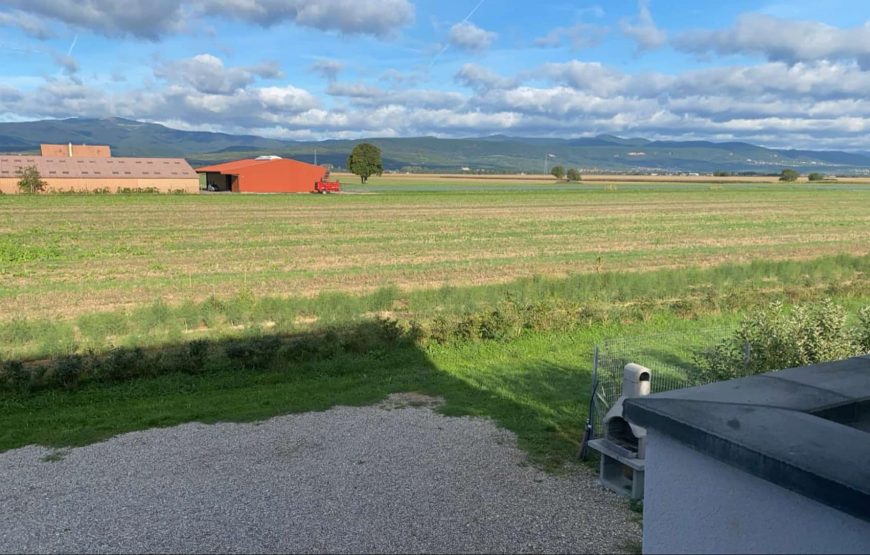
x=324, y=186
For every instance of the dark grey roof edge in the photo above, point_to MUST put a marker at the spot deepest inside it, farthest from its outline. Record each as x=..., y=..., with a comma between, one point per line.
x=811, y=479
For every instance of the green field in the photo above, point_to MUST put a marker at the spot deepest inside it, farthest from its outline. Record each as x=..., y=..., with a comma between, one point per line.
x=62, y=256
x=241, y=307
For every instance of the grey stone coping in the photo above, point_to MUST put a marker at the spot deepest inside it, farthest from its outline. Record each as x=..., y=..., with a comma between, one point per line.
x=804, y=429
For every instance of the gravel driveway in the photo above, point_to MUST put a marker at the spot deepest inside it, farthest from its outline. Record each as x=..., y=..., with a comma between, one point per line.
x=388, y=478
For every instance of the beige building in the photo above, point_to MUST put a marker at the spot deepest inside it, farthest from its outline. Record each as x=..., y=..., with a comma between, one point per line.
x=83, y=172
x=75, y=151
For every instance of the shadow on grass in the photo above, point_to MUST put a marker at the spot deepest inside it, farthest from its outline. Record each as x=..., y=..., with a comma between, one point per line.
x=82, y=399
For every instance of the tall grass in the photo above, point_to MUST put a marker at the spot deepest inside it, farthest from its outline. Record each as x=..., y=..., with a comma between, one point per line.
x=455, y=312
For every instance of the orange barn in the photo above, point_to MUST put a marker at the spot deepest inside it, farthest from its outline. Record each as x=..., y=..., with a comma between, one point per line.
x=262, y=175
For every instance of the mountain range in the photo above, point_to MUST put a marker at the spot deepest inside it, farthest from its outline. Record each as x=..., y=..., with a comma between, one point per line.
x=494, y=153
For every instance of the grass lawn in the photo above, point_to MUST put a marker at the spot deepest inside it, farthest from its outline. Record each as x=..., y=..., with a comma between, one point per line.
x=536, y=385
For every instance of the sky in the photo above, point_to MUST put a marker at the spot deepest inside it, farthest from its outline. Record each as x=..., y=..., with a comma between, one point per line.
x=788, y=74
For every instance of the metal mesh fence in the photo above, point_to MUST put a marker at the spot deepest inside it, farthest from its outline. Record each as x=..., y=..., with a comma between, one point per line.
x=671, y=357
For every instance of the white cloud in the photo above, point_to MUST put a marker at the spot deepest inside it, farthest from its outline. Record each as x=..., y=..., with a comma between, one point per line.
x=579, y=36
x=156, y=18
x=468, y=36
x=642, y=29
x=68, y=63
x=399, y=78
x=353, y=90
x=31, y=25
x=207, y=74
x=363, y=17
x=480, y=78
x=147, y=20
x=808, y=104
x=326, y=68
x=591, y=76
x=362, y=95
x=781, y=40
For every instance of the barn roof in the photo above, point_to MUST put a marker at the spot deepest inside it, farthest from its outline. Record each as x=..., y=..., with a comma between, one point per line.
x=230, y=167
x=100, y=168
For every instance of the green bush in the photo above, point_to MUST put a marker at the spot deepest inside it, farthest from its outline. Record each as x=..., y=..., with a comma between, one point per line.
x=862, y=330
x=14, y=376
x=122, y=364
x=255, y=353
x=774, y=337
x=67, y=371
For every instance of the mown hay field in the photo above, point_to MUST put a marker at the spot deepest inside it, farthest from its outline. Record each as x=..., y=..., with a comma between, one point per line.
x=66, y=255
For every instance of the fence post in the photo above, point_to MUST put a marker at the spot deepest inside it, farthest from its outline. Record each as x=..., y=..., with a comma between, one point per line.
x=588, y=433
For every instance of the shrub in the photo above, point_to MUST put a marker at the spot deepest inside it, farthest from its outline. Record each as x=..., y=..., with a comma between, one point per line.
x=500, y=324
x=29, y=180
x=197, y=352
x=774, y=338
x=861, y=333
x=14, y=376
x=67, y=371
x=119, y=365
x=254, y=353
x=816, y=176
x=573, y=174
x=441, y=330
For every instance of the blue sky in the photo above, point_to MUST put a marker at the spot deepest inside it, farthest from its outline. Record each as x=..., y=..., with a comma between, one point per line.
x=776, y=73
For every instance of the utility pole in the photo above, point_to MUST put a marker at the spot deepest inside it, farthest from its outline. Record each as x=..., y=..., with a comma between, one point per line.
x=547, y=156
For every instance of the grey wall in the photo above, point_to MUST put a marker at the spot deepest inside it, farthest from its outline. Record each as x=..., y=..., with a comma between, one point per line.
x=696, y=504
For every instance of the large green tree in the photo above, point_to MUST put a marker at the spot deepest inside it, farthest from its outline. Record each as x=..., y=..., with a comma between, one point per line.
x=558, y=172
x=789, y=175
x=573, y=174
x=29, y=180
x=365, y=161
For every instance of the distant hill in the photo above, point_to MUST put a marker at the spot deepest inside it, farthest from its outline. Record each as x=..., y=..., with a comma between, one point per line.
x=496, y=153
x=126, y=137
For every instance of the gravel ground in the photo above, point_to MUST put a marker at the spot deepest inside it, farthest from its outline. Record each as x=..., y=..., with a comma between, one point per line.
x=388, y=478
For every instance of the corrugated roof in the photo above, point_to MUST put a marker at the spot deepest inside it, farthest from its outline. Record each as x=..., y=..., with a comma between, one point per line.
x=99, y=168
x=230, y=167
